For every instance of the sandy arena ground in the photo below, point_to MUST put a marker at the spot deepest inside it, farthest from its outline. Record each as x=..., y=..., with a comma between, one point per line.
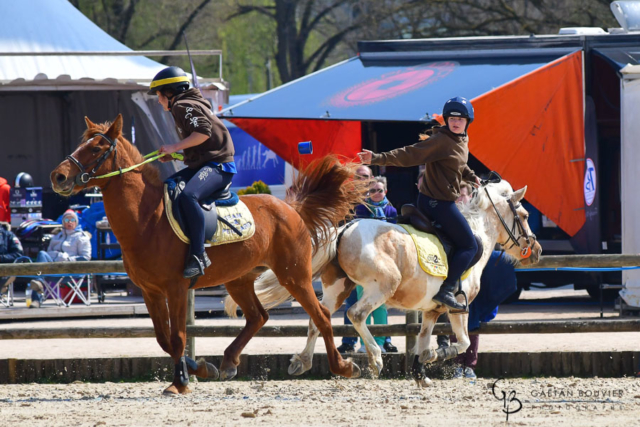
x=336, y=402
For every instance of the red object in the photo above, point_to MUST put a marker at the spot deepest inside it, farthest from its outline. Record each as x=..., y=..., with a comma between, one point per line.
x=5, y=211
x=66, y=290
x=531, y=130
x=340, y=137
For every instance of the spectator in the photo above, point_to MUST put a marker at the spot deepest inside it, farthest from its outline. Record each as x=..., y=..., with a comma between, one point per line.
x=497, y=283
x=71, y=244
x=10, y=250
x=378, y=207
x=5, y=211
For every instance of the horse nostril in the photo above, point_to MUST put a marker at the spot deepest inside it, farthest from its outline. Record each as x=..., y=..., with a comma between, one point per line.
x=60, y=178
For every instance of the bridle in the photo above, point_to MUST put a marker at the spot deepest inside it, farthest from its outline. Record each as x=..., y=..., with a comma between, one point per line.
x=525, y=251
x=83, y=178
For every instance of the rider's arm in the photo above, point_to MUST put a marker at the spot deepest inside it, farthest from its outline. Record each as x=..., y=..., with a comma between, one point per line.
x=429, y=150
x=469, y=175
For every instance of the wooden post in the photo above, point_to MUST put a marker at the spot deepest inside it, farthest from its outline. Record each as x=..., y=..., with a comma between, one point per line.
x=411, y=318
x=190, y=351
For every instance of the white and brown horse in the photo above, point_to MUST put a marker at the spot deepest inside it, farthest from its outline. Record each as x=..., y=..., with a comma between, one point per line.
x=382, y=258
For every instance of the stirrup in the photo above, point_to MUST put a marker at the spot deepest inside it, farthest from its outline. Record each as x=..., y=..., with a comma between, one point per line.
x=466, y=301
x=194, y=267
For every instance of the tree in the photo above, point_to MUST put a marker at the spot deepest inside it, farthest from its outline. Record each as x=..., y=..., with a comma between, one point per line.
x=297, y=21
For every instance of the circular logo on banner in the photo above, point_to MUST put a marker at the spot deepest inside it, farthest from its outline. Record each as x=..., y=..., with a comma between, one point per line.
x=393, y=84
x=589, y=182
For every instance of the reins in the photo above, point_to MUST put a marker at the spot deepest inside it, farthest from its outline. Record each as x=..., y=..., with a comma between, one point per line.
x=84, y=177
x=526, y=251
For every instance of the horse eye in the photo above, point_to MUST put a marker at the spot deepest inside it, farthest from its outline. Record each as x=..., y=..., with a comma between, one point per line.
x=96, y=149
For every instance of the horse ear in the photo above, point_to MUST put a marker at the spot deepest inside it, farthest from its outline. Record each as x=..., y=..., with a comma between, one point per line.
x=90, y=124
x=116, y=127
x=518, y=195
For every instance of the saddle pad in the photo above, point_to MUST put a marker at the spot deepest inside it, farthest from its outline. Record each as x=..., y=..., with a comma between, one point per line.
x=239, y=215
x=431, y=255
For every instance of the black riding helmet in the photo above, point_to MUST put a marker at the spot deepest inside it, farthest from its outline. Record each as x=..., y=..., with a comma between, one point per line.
x=458, y=107
x=172, y=78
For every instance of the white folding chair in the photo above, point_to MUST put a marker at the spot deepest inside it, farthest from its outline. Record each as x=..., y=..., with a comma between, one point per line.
x=75, y=283
x=6, y=291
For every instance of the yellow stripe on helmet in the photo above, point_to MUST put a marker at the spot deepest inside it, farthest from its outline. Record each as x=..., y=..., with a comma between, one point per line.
x=168, y=81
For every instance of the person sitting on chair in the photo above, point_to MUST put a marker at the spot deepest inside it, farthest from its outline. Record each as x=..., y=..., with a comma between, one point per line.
x=444, y=151
x=10, y=250
x=208, y=155
x=70, y=244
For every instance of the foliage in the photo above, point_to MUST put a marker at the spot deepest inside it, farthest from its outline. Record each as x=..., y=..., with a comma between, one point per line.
x=269, y=42
x=258, y=187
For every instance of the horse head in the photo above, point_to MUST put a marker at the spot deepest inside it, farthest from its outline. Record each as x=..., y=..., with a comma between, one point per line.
x=514, y=234
x=96, y=155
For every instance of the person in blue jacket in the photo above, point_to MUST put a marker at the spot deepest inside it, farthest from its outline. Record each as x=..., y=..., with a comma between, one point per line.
x=10, y=250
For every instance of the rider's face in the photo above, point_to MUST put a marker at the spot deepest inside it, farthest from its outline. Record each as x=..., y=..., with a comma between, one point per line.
x=163, y=100
x=457, y=125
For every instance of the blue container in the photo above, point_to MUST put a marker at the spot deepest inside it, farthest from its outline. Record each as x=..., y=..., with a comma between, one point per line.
x=305, y=147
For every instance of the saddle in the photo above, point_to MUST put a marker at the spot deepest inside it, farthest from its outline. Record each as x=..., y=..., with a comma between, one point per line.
x=411, y=215
x=226, y=218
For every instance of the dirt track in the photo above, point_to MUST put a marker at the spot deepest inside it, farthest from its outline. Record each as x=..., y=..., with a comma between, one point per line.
x=331, y=402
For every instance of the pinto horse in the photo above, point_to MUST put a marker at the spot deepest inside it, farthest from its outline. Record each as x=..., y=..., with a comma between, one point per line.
x=382, y=258
x=153, y=255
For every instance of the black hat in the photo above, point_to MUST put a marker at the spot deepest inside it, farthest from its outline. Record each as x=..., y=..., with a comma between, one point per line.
x=169, y=78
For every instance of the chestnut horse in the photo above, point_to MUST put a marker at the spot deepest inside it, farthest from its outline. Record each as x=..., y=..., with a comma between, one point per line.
x=153, y=255
x=382, y=258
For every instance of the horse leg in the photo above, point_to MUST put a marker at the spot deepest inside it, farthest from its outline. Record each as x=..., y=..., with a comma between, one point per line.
x=178, y=317
x=243, y=293
x=157, y=306
x=459, y=324
x=371, y=299
x=298, y=282
x=334, y=292
x=423, y=353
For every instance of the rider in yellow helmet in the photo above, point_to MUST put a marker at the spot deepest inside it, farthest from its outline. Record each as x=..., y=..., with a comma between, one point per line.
x=208, y=155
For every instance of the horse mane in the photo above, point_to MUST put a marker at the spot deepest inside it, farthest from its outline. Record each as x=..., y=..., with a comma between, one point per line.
x=474, y=211
x=149, y=172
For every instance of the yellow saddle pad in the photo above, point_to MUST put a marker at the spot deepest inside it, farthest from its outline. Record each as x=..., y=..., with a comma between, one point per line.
x=431, y=254
x=239, y=215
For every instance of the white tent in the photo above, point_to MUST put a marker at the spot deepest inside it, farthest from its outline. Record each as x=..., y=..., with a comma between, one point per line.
x=47, y=26
x=46, y=89
x=630, y=174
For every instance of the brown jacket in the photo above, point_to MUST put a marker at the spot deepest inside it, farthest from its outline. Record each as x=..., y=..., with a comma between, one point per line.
x=192, y=113
x=444, y=155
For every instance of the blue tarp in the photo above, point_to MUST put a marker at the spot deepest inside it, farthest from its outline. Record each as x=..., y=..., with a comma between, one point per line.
x=403, y=90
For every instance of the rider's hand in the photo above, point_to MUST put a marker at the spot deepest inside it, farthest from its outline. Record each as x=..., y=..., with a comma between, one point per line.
x=168, y=149
x=478, y=182
x=365, y=156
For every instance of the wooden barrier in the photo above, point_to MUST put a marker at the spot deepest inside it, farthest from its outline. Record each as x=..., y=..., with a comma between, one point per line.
x=541, y=327
x=555, y=261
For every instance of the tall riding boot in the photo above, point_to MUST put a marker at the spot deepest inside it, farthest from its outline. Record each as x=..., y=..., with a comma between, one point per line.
x=195, y=265
x=445, y=297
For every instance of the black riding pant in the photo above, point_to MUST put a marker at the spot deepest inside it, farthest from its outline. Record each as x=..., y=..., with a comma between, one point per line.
x=455, y=226
x=201, y=183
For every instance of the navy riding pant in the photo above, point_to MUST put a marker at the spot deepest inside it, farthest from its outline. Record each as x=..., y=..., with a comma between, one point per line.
x=456, y=227
x=201, y=183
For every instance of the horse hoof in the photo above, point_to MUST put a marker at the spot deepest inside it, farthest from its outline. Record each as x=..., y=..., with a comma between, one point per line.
x=227, y=374
x=296, y=368
x=174, y=391
x=356, y=372
x=210, y=371
x=428, y=356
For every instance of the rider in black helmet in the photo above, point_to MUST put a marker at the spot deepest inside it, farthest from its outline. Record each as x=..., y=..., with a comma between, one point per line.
x=444, y=152
x=208, y=155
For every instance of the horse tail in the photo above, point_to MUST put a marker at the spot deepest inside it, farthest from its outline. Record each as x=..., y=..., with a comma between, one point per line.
x=267, y=286
x=324, y=194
